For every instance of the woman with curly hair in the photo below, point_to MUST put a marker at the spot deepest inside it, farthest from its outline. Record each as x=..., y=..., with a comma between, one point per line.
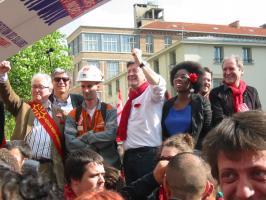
x=188, y=111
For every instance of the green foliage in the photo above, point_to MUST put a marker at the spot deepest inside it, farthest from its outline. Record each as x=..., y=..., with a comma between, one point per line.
x=35, y=59
x=9, y=124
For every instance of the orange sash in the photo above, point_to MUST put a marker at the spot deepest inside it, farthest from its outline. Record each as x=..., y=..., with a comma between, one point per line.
x=49, y=125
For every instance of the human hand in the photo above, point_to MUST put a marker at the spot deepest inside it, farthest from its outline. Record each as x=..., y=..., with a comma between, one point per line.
x=4, y=67
x=137, y=55
x=159, y=171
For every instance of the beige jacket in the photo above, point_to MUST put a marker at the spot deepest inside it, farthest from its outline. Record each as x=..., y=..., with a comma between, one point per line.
x=24, y=123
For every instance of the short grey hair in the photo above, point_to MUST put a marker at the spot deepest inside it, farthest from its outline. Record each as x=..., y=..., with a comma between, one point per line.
x=59, y=70
x=238, y=60
x=45, y=77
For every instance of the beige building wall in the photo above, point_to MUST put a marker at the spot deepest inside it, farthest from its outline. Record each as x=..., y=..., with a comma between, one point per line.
x=203, y=52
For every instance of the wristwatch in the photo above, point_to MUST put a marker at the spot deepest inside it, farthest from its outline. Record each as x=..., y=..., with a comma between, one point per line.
x=142, y=64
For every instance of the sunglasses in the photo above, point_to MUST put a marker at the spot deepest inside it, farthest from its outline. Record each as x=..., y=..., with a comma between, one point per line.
x=58, y=79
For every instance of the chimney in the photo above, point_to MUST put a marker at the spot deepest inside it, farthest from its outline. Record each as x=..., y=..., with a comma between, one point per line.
x=235, y=24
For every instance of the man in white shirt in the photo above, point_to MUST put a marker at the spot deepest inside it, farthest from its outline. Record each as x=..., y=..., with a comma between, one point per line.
x=140, y=128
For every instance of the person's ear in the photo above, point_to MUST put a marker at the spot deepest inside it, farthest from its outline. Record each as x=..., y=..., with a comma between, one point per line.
x=98, y=87
x=209, y=188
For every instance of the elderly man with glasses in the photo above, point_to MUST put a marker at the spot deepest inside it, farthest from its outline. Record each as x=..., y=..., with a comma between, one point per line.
x=60, y=96
x=38, y=122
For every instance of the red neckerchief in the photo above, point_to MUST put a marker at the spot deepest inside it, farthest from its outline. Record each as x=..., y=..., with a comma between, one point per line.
x=133, y=93
x=68, y=193
x=162, y=194
x=238, y=93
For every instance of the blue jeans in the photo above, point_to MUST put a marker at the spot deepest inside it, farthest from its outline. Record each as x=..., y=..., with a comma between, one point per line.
x=138, y=162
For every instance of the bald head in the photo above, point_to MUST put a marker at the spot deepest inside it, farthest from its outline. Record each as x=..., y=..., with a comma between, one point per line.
x=186, y=176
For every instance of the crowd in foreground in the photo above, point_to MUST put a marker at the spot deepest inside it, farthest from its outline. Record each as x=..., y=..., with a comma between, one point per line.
x=200, y=144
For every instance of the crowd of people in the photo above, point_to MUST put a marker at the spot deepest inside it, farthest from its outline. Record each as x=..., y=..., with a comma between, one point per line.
x=204, y=143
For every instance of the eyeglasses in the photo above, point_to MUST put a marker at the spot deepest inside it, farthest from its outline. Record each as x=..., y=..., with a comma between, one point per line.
x=40, y=87
x=58, y=79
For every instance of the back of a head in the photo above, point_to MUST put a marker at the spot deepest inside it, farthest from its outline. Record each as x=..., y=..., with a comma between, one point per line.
x=186, y=176
x=9, y=160
x=100, y=195
x=244, y=131
x=113, y=178
x=182, y=142
x=21, y=145
x=76, y=162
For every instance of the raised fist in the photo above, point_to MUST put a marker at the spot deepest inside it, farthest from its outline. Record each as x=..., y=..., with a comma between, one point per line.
x=4, y=67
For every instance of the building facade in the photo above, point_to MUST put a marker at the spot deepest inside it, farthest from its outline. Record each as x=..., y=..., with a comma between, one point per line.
x=164, y=44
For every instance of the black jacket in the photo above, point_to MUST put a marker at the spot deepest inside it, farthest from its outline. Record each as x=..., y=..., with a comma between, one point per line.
x=140, y=189
x=222, y=102
x=201, y=118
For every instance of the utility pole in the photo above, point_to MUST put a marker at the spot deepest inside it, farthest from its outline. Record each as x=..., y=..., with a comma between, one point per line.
x=48, y=52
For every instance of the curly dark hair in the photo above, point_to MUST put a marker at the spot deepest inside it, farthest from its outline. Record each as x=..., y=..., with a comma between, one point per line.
x=191, y=67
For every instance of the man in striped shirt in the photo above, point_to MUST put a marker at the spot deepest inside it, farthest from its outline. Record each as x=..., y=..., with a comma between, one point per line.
x=38, y=122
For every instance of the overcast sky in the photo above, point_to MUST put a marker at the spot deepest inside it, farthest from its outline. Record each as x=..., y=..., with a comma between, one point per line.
x=119, y=13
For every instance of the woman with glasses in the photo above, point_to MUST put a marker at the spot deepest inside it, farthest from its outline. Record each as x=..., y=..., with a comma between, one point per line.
x=188, y=111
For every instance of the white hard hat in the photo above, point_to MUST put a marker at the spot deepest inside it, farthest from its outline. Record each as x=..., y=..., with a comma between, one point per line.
x=90, y=73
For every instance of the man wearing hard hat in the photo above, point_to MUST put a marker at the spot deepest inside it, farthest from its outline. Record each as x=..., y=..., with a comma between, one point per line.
x=92, y=125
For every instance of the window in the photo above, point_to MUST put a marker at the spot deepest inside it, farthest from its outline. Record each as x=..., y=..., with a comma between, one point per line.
x=110, y=43
x=71, y=48
x=117, y=85
x=218, y=54
x=91, y=42
x=95, y=63
x=76, y=46
x=167, y=41
x=247, y=57
x=112, y=69
x=149, y=44
x=129, y=42
x=110, y=89
x=156, y=66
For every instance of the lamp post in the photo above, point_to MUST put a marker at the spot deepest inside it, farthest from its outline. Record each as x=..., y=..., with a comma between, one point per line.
x=48, y=52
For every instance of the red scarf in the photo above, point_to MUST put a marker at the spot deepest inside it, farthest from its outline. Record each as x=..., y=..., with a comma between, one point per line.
x=68, y=193
x=133, y=93
x=162, y=194
x=238, y=94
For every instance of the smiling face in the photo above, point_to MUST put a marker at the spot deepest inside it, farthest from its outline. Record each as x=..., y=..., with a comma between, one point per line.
x=231, y=72
x=181, y=81
x=207, y=83
x=40, y=90
x=61, y=83
x=244, y=177
x=135, y=76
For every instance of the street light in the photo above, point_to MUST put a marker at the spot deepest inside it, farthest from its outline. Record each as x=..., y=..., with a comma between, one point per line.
x=48, y=52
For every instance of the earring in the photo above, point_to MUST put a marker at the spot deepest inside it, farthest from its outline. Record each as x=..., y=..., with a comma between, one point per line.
x=191, y=90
